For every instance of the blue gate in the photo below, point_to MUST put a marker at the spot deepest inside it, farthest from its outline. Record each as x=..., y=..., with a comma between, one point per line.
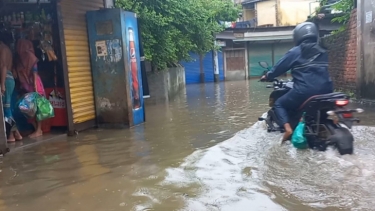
x=192, y=69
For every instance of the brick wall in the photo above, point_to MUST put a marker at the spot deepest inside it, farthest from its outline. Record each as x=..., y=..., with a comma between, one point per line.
x=342, y=50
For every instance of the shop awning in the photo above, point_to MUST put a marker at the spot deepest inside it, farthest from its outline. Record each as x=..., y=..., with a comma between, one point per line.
x=250, y=1
x=266, y=36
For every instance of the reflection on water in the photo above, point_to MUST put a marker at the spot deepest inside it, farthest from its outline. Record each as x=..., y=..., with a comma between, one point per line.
x=190, y=156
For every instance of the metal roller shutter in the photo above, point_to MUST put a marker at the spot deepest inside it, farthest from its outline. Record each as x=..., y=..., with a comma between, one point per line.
x=259, y=52
x=78, y=57
x=281, y=49
x=192, y=69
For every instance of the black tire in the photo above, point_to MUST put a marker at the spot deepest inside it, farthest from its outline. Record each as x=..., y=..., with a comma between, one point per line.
x=343, y=140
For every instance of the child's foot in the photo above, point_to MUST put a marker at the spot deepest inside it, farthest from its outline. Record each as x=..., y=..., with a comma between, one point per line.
x=18, y=136
x=36, y=134
x=11, y=140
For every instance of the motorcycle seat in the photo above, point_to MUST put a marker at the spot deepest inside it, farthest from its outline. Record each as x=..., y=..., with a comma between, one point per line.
x=323, y=97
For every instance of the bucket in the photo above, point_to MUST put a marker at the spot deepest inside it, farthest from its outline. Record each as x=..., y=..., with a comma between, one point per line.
x=57, y=98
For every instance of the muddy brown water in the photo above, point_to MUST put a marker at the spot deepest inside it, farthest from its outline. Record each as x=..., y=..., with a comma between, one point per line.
x=203, y=151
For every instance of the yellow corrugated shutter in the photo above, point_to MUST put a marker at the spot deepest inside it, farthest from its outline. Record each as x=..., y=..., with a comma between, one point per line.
x=78, y=57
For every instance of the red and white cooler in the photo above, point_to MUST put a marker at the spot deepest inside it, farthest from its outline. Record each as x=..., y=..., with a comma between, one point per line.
x=57, y=98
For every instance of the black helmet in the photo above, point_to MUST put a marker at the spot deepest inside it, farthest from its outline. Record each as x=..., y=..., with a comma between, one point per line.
x=305, y=31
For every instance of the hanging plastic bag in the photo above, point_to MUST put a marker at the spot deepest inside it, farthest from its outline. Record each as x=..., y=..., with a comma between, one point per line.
x=27, y=104
x=299, y=140
x=45, y=109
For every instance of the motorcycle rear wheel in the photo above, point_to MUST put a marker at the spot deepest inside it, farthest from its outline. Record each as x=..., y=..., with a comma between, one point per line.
x=343, y=140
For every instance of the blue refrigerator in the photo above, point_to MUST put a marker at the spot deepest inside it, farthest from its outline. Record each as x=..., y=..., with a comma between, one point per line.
x=116, y=67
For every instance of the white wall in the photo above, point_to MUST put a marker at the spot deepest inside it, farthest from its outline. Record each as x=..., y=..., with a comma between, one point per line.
x=266, y=12
x=293, y=12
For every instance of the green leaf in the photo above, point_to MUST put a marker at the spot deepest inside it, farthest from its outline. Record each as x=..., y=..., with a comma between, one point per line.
x=346, y=7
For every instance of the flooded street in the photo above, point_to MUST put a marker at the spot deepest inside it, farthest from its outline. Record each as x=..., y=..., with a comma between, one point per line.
x=203, y=151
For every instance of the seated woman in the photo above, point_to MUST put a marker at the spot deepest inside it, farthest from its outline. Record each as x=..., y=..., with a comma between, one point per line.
x=27, y=74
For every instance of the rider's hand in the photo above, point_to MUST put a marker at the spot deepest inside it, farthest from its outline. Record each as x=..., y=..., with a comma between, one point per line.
x=263, y=78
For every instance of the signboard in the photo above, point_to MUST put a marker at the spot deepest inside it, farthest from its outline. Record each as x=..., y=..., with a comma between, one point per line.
x=369, y=17
x=220, y=43
x=238, y=35
x=101, y=48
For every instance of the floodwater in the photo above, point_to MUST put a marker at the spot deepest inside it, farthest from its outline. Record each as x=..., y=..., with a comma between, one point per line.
x=203, y=151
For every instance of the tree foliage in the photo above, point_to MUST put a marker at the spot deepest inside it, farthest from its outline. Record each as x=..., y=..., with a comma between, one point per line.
x=345, y=7
x=170, y=29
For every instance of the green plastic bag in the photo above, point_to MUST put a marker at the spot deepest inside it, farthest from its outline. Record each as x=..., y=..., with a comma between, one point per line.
x=299, y=140
x=45, y=109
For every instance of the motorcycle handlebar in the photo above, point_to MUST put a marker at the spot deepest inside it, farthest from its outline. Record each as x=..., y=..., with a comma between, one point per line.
x=265, y=80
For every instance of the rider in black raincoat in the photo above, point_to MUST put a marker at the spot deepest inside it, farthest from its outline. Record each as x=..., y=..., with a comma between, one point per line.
x=308, y=63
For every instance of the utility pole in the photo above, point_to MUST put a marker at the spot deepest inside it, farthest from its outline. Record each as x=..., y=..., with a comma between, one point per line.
x=216, y=65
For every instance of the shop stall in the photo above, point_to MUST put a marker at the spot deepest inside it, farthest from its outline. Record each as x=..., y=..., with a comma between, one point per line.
x=36, y=21
x=59, y=34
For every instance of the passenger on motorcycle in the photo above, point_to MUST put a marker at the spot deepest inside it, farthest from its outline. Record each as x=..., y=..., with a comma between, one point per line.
x=308, y=63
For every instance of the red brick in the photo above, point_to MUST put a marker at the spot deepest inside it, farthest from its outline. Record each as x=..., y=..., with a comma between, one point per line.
x=342, y=50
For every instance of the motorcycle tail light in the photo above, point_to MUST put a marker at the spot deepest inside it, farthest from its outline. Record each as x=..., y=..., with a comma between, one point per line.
x=342, y=102
x=347, y=115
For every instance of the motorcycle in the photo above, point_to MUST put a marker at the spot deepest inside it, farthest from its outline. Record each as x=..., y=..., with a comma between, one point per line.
x=327, y=120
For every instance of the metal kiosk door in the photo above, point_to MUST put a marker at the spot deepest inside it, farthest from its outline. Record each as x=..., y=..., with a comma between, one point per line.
x=115, y=62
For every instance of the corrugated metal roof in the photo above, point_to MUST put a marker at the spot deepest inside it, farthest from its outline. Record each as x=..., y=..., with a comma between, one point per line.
x=250, y=1
x=266, y=36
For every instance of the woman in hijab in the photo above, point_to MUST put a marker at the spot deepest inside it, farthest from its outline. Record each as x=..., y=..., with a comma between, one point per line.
x=7, y=86
x=27, y=74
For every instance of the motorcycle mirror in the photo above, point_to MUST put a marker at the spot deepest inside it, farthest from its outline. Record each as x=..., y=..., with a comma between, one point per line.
x=263, y=64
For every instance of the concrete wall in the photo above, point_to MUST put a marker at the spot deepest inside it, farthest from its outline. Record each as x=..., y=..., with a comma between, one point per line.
x=293, y=12
x=342, y=49
x=366, y=48
x=266, y=12
x=289, y=12
x=165, y=85
x=249, y=14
